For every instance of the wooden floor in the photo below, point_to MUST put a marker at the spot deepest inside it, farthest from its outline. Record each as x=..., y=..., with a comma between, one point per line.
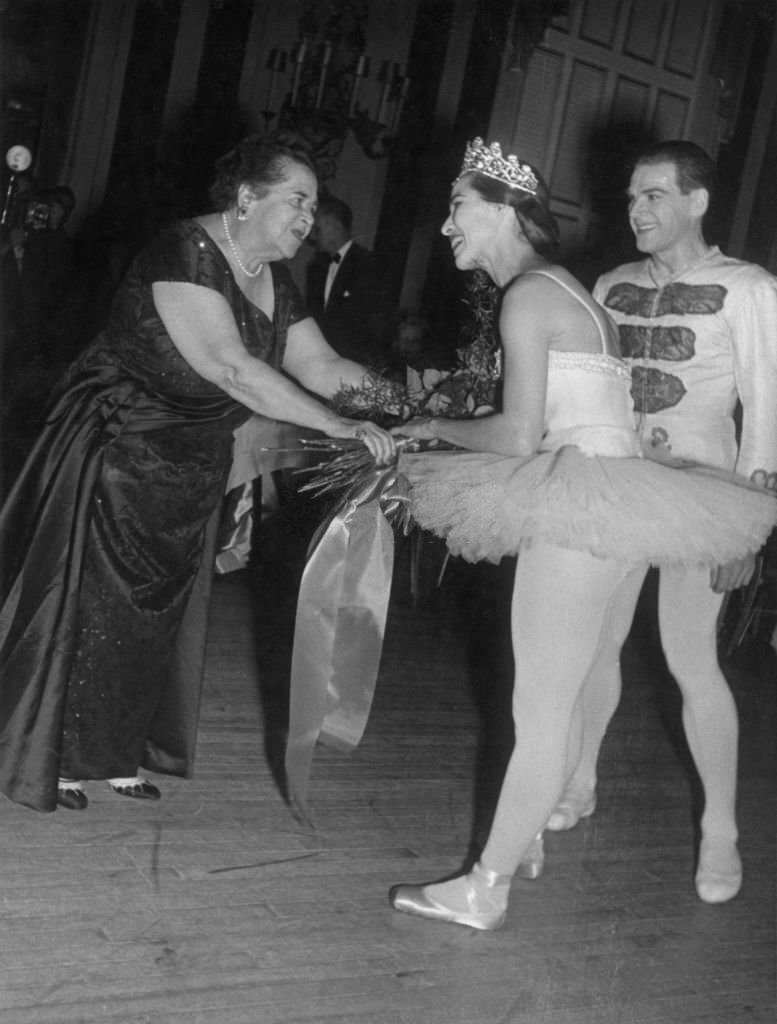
x=215, y=906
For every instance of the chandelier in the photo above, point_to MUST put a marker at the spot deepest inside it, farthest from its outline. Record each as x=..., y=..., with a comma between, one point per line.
x=327, y=86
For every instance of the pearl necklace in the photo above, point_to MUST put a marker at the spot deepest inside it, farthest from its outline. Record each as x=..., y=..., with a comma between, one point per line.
x=235, y=253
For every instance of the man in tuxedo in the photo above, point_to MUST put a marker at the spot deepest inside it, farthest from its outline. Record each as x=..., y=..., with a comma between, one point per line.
x=347, y=289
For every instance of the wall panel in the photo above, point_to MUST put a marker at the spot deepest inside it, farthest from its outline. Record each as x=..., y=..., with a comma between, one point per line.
x=532, y=134
x=644, y=30
x=582, y=112
x=685, y=40
x=671, y=116
x=600, y=21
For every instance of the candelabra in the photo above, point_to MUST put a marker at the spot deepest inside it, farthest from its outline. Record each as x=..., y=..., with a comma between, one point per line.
x=324, y=90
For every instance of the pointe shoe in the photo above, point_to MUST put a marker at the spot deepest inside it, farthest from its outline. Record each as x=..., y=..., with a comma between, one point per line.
x=71, y=795
x=483, y=911
x=719, y=874
x=533, y=861
x=138, y=788
x=570, y=809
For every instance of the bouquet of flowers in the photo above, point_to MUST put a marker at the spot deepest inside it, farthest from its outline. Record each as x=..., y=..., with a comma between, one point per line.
x=469, y=389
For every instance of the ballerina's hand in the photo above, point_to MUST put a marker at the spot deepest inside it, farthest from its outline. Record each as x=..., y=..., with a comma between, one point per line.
x=379, y=442
x=423, y=427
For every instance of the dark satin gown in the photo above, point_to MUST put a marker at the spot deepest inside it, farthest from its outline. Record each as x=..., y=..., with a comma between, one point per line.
x=107, y=539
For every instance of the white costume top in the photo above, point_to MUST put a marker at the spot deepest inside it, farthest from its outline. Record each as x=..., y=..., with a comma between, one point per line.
x=587, y=488
x=704, y=339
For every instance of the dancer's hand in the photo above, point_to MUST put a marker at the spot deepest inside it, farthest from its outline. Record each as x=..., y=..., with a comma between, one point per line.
x=423, y=428
x=380, y=443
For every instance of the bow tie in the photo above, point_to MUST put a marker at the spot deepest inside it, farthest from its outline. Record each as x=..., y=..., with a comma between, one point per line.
x=336, y=257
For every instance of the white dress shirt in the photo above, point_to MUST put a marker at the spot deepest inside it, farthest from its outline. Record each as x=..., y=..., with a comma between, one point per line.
x=336, y=260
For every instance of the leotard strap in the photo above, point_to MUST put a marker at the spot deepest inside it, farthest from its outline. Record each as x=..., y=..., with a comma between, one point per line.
x=583, y=303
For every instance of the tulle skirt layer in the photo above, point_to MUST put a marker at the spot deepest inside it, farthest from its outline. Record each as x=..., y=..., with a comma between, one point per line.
x=632, y=509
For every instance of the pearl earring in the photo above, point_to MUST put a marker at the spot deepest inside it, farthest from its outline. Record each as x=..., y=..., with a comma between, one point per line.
x=242, y=213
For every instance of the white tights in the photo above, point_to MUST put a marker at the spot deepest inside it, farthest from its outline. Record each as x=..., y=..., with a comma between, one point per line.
x=561, y=604
x=687, y=614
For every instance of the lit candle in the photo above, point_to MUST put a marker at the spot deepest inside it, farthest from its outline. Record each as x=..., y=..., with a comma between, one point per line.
x=383, y=77
x=400, y=104
x=354, y=91
x=300, y=60
x=271, y=67
x=322, y=77
x=361, y=65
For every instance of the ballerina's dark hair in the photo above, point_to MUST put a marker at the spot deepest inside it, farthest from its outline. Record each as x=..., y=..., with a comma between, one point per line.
x=259, y=161
x=533, y=212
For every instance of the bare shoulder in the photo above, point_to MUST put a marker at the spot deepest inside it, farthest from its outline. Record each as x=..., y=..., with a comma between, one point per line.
x=544, y=292
x=524, y=293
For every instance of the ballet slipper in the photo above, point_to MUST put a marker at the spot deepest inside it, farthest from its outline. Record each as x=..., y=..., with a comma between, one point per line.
x=571, y=808
x=719, y=872
x=533, y=861
x=477, y=900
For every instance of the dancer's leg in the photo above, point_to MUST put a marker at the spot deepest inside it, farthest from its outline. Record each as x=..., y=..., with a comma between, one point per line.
x=561, y=600
x=688, y=613
x=595, y=707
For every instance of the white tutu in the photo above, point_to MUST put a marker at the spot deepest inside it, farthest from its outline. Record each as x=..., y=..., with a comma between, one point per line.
x=635, y=510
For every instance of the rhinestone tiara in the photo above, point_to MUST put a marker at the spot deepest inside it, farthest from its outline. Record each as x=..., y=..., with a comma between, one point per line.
x=488, y=160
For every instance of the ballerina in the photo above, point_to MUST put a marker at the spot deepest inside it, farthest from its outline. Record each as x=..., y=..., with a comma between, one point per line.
x=557, y=476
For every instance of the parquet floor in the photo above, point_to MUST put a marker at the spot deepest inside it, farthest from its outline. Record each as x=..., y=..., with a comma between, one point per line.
x=215, y=906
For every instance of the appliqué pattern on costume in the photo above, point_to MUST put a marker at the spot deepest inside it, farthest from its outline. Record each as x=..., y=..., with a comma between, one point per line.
x=653, y=390
x=659, y=438
x=675, y=344
x=678, y=299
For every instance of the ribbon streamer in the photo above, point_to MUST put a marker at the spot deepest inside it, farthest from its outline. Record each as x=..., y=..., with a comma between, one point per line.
x=340, y=624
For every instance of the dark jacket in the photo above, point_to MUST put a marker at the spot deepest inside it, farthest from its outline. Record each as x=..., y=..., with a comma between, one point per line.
x=357, y=320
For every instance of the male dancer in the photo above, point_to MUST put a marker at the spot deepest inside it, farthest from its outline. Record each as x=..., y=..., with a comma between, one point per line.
x=700, y=331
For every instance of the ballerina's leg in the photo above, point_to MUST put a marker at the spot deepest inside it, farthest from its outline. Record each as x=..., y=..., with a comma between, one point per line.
x=561, y=600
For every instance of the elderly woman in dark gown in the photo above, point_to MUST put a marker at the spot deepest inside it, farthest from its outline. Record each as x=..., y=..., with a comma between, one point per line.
x=107, y=537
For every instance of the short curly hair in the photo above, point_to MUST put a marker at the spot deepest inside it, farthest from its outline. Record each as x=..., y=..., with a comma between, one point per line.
x=259, y=161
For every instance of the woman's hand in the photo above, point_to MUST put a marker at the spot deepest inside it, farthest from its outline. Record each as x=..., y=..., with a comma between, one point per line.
x=380, y=443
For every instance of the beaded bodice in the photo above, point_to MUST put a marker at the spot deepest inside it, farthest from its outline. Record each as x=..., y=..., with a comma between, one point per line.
x=589, y=404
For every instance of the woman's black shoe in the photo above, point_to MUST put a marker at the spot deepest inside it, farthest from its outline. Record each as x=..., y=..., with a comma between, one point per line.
x=141, y=789
x=72, y=797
